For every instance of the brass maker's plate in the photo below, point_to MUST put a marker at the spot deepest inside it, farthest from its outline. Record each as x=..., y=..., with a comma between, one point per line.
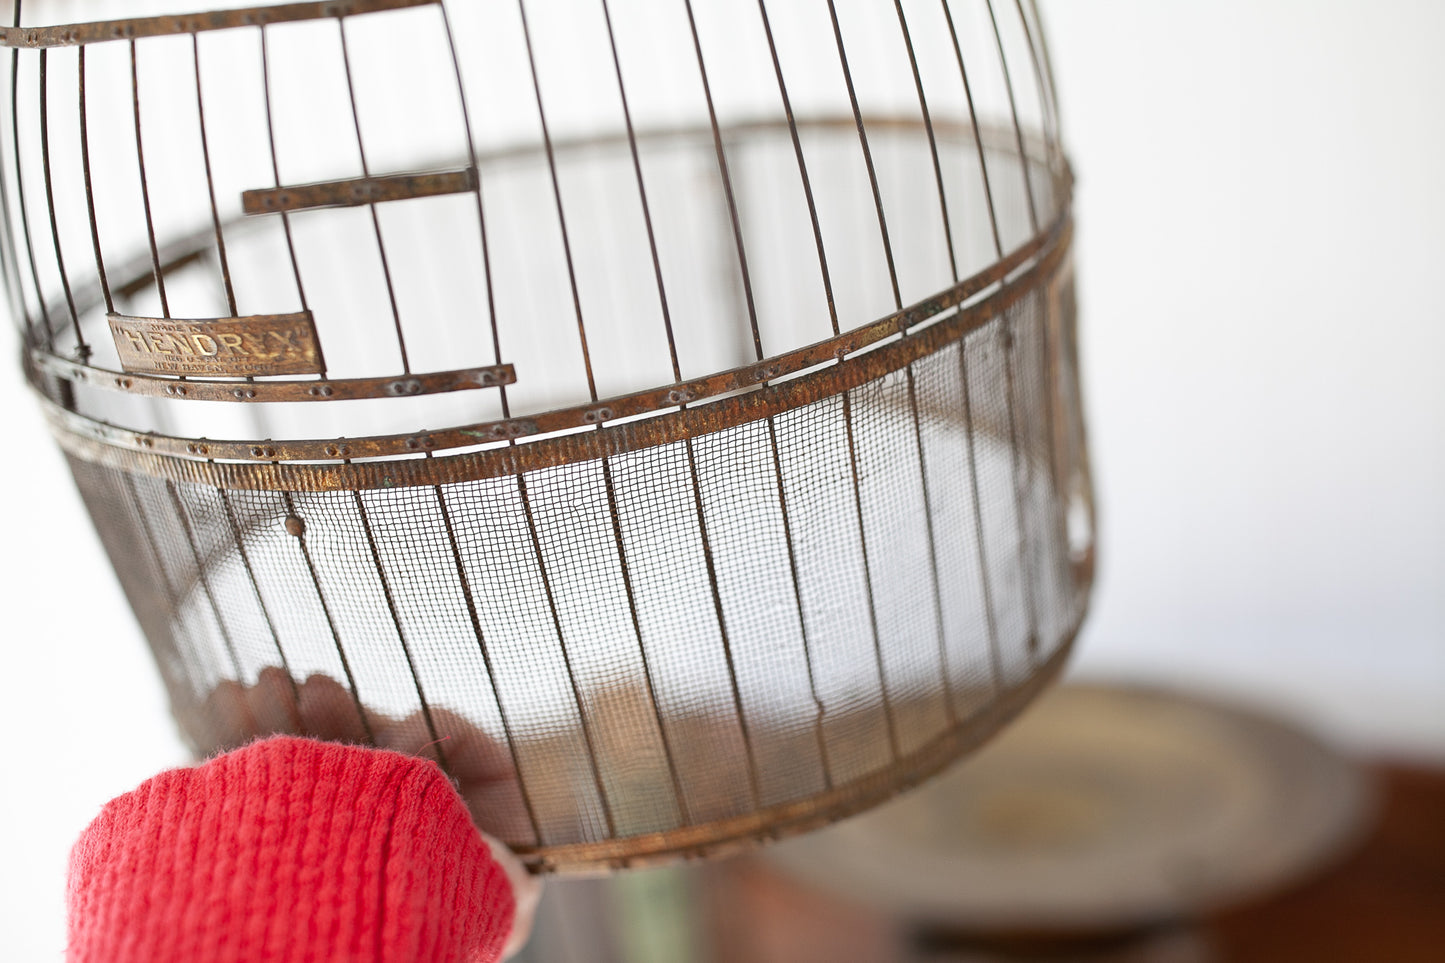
x=264, y=344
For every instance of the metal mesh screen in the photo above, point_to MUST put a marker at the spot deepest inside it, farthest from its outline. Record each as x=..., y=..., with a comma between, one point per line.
x=690, y=643
x=680, y=444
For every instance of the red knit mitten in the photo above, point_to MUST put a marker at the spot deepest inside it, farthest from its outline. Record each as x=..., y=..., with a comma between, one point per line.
x=288, y=850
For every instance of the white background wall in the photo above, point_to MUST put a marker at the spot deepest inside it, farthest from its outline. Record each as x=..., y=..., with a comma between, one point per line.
x=1261, y=237
x=1261, y=250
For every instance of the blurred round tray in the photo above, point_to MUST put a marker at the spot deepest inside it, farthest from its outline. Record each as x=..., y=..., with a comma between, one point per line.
x=1102, y=808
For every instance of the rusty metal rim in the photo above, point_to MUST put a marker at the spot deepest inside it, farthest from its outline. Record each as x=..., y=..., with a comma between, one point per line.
x=135, y=275
x=747, y=377
x=146, y=454
x=335, y=389
x=741, y=833
x=134, y=28
x=623, y=406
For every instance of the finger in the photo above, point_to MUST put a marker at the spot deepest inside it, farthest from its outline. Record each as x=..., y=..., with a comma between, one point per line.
x=480, y=765
x=228, y=716
x=526, y=891
x=272, y=702
x=328, y=711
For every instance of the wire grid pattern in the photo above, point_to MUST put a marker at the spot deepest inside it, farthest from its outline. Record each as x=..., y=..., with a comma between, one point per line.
x=643, y=652
x=667, y=647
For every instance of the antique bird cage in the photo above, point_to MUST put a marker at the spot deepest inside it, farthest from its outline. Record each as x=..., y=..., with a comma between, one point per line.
x=663, y=413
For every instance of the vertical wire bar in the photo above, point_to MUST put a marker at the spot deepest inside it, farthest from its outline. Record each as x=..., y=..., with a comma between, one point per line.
x=847, y=409
x=481, y=213
x=1014, y=112
x=211, y=183
x=184, y=518
x=1020, y=470
x=82, y=349
x=467, y=593
x=932, y=139
x=145, y=186
x=9, y=257
x=173, y=600
x=566, y=656
x=912, y=387
x=616, y=517
x=1043, y=43
x=868, y=577
x=802, y=169
x=772, y=422
x=867, y=153
x=715, y=589
x=375, y=218
x=301, y=539
x=47, y=329
x=847, y=397
x=606, y=463
x=1048, y=379
x=1050, y=121
x=592, y=393
x=932, y=548
x=506, y=413
x=977, y=133
x=1010, y=400
x=400, y=632
x=245, y=556
x=276, y=170
x=642, y=196
x=798, y=604
x=727, y=185
x=1008, y=334
x=989, y=615
x=730, y=197
x=165, y=579
x=1052, y=150
x=90, y=190
x=557, y=197
x=485, y=650
x=676, y=375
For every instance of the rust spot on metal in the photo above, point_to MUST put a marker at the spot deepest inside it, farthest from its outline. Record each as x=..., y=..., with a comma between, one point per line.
x=166, y=456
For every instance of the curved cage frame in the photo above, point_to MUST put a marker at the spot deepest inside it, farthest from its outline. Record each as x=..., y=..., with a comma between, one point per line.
x=649, y=619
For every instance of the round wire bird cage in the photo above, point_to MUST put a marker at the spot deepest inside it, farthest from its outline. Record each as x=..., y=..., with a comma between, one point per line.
x=663, y=413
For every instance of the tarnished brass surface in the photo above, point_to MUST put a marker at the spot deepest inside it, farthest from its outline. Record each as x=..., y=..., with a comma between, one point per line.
x=167, y=456
x=322, y=389
x=135, y=28
x=789, y=504
x=358, y=191
x=263, y=344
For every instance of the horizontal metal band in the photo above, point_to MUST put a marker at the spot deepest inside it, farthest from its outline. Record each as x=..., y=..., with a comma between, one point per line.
x=358, y=190
x=135, y=28
x=341, y=389
x=189, y=459
x=742, y=833
x=135, y=274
